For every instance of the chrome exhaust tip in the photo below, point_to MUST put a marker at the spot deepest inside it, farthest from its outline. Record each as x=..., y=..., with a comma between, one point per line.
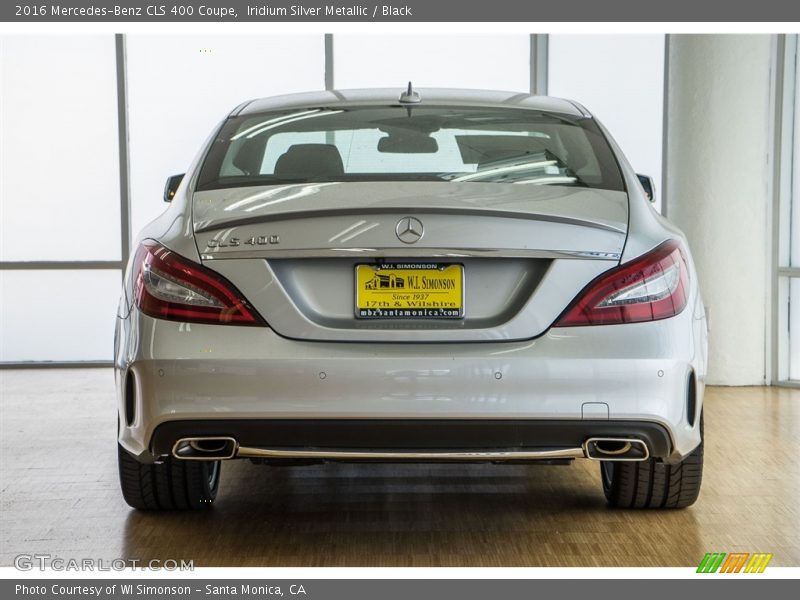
x=205, y=448
x=618, y=449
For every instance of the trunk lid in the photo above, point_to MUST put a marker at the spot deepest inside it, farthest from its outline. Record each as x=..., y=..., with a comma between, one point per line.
x=526, y=251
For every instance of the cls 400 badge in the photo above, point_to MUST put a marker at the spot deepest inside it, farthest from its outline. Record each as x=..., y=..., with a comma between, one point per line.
x=260, y=240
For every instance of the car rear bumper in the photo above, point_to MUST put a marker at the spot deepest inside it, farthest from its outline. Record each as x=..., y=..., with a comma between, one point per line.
x=263, y=390
x=405, y=439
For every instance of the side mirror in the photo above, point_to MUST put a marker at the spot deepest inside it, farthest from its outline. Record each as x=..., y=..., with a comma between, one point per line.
x=172, y=187
x=648, y=186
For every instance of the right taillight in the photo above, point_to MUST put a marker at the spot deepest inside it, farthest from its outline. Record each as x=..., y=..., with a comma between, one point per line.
x=169, y=286
x=654, y=286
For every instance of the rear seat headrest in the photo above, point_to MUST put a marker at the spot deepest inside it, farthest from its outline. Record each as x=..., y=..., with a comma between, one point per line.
x=309, y=161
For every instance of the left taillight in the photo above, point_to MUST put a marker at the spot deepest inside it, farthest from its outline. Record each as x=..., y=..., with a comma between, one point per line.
x=169, y=286
x=652, y=287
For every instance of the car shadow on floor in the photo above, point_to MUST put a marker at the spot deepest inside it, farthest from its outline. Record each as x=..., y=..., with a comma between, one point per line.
x=413, y=515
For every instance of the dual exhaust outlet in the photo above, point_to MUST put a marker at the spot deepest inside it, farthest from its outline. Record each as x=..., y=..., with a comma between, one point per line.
x=620, y=449
x=205, y=448
x=594, y=448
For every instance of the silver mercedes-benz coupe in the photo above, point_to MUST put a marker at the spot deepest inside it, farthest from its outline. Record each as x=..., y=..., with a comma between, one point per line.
x=417, y=275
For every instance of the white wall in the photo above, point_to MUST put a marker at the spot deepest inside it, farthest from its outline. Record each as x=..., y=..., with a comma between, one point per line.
x=717, y=171
x=500, y=62
x=620, y=79
x=180, y=87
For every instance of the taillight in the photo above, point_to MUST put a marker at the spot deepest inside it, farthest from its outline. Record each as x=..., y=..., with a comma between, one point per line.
x=649, y=288
x=168, y=286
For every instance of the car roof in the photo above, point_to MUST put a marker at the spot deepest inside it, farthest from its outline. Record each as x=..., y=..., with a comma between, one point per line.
x=429, y=97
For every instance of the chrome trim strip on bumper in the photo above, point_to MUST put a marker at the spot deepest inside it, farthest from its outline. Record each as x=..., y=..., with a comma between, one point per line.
x=245, y=452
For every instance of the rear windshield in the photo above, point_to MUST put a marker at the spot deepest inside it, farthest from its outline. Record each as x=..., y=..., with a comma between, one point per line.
x=401, y=143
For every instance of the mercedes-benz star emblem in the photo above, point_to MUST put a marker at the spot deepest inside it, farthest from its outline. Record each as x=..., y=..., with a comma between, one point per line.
x=409, y=230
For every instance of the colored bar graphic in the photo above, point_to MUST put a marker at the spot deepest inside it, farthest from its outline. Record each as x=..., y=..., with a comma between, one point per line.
x=717, y=562
x=758, y=563
x=711, y=562
x=741, y=563
x=732, y=563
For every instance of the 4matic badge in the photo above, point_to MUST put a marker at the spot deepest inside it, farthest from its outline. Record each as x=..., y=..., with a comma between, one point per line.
x=255, y=240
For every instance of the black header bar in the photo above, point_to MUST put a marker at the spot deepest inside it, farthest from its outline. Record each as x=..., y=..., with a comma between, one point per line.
x=129, y=11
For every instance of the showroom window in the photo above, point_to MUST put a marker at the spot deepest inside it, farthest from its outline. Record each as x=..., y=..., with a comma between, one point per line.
x=620, y=79
x=60, y=231
x=71, y=203
x=785, y=290
x=167, y=123
x=457, y=61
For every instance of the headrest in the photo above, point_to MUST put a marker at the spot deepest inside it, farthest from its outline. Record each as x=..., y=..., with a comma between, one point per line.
x=309, y=161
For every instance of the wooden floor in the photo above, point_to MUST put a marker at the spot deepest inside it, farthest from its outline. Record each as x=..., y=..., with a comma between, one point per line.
x=59, y=496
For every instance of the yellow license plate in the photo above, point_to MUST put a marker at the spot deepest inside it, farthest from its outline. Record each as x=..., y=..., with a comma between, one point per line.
x=410, y=291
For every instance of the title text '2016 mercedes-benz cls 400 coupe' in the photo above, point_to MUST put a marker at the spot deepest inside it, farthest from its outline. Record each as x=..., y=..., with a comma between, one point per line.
x=436, y=275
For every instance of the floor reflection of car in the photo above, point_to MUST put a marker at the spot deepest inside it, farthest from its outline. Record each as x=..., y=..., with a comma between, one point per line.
x=380, y=281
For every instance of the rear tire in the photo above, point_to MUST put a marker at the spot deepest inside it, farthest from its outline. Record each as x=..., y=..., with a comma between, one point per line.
x=169, y=485
x=651, y=484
